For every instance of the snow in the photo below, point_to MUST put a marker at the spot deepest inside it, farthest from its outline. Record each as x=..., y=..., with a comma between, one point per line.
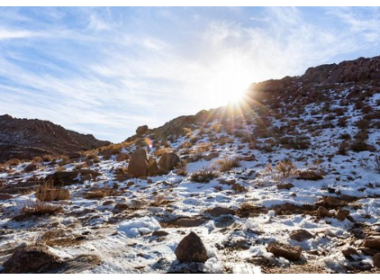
x=139, y=226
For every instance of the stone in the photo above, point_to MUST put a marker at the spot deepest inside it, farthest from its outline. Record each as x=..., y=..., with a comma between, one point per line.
x=139, y=163
x=322, y=212
x=309, y=175
x=300, y=235
x=194, y=221
x=141, y=130
x=332, y=201
x=219, y=211
x=168, y=162
x=342, y=214
x=376, y=260
x=65, y=178
x=286, y=186
x=31, y=259
x=239, y=188
x=191, y=249
x=160, y=233
x=5, y=196
x=289, y=252
x=373, y=243
x=347, y=253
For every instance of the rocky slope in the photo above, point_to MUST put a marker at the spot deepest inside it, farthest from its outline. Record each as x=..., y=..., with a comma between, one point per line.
x=286, y=182
x=25, y=139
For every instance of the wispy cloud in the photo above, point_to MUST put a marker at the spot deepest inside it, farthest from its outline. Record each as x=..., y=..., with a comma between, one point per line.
x=105, y=71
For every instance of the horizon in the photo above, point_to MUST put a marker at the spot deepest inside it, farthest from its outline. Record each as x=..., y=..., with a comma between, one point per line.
x=106, y=71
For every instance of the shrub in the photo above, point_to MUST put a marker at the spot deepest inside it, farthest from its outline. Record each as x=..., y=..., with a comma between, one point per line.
x=367, y=109
x=13, y=162
x=182, y=170
x=359, y=146
x=345, y=136
x=227, y=164
x=362, y=124
x=39, y=208
x=342, y=150
x=286, y=168
x=47, y=192
x=93, y=157
x=97, y=193
x=204, y=176
x=162, y=151
x=377, y=164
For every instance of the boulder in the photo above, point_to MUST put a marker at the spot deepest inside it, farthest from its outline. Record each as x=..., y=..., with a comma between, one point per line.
x=347, y=253
x=322, y=212
x=141, y=130
x=219, y=211
x=292, y=253
x=376, y=260
x=372, y=243
x=309, y=175
x=342, y=214
x=191, y=249
x=300, y=235
x=331, y=201
x=31, y=259
x=139, y=163
x=168, y=162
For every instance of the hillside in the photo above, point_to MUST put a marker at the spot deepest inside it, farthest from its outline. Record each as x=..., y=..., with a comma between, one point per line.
x=286, y=182
x=26, y=139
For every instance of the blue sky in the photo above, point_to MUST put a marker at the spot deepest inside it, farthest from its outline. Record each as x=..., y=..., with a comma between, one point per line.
x=106, y=71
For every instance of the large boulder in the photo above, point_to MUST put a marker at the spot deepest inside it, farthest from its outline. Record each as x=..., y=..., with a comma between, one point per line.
x=191, y=249
x=168, y=162
x=31, y=259
x=139, y=163
x=141, y=130
x=300, y=235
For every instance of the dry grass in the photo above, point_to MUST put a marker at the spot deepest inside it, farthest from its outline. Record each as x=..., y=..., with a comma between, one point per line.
x=182, y=168
x=39, y=208
x=60, y=169
x=202, y=147
x=227, y=164
x=47, y=192
x=162, y=151
x=286, y=168
x=159, y=200
x=204, y=176
x=216, y=127
x=13, y=162
x=97, y=193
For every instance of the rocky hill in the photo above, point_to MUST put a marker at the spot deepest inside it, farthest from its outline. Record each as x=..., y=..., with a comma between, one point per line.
x=285, y=182
x=25, y=139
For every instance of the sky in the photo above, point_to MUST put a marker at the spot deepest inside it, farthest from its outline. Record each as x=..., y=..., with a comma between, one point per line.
x=105, y=71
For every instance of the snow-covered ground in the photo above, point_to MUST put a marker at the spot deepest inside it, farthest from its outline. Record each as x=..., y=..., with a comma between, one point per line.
x=236, y=243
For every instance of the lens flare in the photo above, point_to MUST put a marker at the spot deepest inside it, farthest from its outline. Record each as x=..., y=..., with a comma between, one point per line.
x=149, y=143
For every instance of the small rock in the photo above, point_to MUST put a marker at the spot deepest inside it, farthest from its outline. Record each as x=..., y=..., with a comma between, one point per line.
x=286, y=186
x=309, y=175
x=332, y=201
x=160, y=233
x=238, y=188
x=219, y=211
x=349, y=252
x=191, y=249
x=373, y=243
x=300, y=235
x=322, y=212
x=292, y=253
x=31, y=259
x=342, y=214
x=376, y=260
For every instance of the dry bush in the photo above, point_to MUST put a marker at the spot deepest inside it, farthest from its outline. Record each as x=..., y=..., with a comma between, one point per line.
x=359, y=146
x=47, y=192
x=92, y=157
x=286, y=168
x=182, y=169
x=37, y=159
x=194, y=139
x=377, y=164
x=216, y=127
x=60, y=168
x=362, y=124
x=39, y=208
x=13, y=162
x=162, y=151
x=227, y=164
x=204, y=176
x=122, y=157
x=202, y=147
x=225, y=140
x=159, y=200
x=97, y=193
x=187, y=131
x=47, y=158
x=185, y=145
x=342, y=150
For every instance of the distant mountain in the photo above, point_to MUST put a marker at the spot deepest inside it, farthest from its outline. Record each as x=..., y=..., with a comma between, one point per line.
x=26, y=138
